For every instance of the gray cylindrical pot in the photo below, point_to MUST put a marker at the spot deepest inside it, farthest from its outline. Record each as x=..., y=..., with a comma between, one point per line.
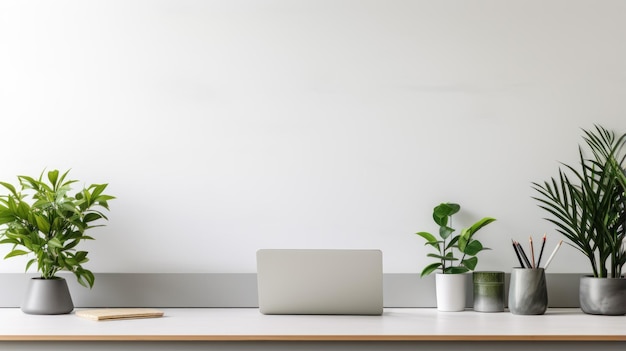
x=47, y=296
x=528, y=293
x=488, y=291
x=606, y=296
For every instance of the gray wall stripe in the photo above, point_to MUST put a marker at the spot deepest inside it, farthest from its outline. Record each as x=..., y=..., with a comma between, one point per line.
x=239, y=290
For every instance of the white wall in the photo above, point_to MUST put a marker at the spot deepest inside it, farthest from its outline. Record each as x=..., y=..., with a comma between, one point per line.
x=226, y=126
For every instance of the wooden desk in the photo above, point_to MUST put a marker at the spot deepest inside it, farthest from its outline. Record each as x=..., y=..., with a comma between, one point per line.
x=239, y=328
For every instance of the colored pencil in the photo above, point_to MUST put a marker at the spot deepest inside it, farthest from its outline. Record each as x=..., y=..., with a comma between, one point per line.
x=553, y=253
x=521, y=250
x=519, y=258
x=532, y=251
x=543, y=244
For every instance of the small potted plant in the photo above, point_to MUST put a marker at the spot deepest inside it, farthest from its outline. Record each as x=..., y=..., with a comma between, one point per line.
x=588, y=206
x=44, y=220
x=454, y=254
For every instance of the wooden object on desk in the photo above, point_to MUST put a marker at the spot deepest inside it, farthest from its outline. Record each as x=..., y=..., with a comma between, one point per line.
x=119, y=313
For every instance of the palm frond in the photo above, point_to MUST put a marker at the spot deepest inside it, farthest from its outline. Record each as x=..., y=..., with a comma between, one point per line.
x=587, y=204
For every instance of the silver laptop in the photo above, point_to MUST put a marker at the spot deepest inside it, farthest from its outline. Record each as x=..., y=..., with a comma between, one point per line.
x=294, y=281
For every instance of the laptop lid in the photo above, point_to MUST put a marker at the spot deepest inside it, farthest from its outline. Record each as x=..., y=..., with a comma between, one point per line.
x=314, y=281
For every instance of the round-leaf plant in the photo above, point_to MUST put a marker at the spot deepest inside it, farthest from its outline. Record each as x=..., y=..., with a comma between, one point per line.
x=449, y=247
x=43, y=219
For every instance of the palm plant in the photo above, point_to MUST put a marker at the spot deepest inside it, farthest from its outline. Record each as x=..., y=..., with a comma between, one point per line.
x=588, y=204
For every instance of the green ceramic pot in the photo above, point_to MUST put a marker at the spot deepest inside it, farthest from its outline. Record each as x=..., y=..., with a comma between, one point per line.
x=488, y=291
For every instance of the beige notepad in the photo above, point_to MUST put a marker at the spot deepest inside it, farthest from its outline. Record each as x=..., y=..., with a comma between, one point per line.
x=119, y=313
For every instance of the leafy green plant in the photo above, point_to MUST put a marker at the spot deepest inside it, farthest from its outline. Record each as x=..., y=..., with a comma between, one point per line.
x=588, y=204
x=52, y=223
x=449, y=247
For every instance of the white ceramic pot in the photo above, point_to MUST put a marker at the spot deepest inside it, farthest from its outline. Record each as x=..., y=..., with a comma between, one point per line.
x=450, y=290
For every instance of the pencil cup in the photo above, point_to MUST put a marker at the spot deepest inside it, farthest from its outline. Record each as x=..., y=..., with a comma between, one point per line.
x=488, y=291
x=528, y=293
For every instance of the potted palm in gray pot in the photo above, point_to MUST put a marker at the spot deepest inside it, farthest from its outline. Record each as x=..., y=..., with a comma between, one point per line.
x=42, y=219
x=587, y=204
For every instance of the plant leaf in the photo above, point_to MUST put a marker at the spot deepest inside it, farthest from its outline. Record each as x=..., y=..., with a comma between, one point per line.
x=430, y=268
x=55, y=242
x=473, y=248
x=10, y=187
x=470, y=263
x=42, y=224
x=452, y=242
x=456, y=270
x=430, y=240
x=443, y=211
x=16, y=253
x=429, y=237
x=445, y=231
x=443, y=258
x=53, y=176
x=477, y=226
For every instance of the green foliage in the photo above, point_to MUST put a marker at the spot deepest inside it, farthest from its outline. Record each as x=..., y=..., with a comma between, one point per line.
x=447, y=244
x=587, y=204
x=44, y=220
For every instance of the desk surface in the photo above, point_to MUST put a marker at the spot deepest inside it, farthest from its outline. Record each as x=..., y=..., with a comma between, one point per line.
x=247, y=324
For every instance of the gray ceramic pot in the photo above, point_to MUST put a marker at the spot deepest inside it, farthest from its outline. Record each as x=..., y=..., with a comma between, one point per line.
x=528, y=293
x=47, y=296
x=605, y=296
